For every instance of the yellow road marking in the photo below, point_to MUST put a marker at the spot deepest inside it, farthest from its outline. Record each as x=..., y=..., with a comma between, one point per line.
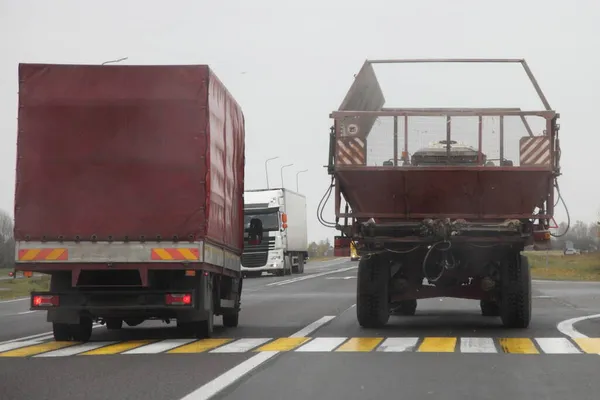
x=188, y=254
x=437, y=345
x=36, y=349
x=199, y=346
x=283, y=344
x=54, y=254
x=117, y=348
x=30, y=254
x=518, y=346
x=589, y=345
x=163, y=254
x=363, y=344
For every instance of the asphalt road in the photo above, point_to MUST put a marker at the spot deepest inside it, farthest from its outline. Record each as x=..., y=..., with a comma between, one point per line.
x=298, y=338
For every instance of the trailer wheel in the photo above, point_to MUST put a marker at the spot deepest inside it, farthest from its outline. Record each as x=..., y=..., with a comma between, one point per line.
x=231, y=319
x=489, y=308
x=61, y=332
x=114, y=323
x=372, y=303
x=406, y=307
x=515, y=305
x=287, y=265
x=83, y=331
x=299, y=269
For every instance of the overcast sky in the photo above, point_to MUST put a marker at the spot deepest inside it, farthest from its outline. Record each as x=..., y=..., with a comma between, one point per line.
x=289, y=64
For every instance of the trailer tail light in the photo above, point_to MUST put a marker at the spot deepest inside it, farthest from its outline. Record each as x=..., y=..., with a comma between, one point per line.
x=45, y=301
x=178, y=299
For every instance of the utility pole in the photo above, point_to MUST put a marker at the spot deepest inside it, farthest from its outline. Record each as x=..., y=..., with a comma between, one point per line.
x=298, y=173
x=287, y=165
x=266, y=171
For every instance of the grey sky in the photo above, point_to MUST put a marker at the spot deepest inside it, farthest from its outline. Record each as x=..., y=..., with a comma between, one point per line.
x=289, y=64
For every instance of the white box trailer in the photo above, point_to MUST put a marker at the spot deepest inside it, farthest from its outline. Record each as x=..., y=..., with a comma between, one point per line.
x=284, y=247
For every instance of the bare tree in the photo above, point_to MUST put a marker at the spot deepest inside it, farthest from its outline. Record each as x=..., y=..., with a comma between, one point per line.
x=7, y=241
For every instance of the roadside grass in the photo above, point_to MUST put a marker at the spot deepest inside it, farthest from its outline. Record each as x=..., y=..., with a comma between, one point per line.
x=21, y=287
x=554, y=265
x=5, y=271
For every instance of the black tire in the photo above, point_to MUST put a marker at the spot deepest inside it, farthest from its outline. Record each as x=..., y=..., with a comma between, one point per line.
x=489, y=308
x=61, y=332
x=83, y=331
x=231, y=319
x=372, y=289
x=406, y=307
x=287, y=266
x=114, y=323
x=515, y=305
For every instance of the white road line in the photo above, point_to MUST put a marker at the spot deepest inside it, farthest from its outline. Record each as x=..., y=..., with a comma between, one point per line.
x=311, y=276
x=16, y=345
x=566, y=327
x=14, y=300
x=557, y=346
x=73, y=350
x=159, y=347
x=27, y=312
x=40, y=336
x=241, y=345
x=322, y=344
x=477, y=345
x=398, y=345
x=221, y=382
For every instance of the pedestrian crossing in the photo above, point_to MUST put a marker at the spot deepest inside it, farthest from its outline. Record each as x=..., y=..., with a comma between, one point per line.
x=466, y=345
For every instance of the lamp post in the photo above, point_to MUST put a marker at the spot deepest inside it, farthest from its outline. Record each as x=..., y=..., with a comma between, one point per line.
x=287, y=165
x=266, y=171
x=298, y=173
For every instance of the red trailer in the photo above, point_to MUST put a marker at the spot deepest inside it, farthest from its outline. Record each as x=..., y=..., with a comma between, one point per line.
x=129, y=193
x=454, y=214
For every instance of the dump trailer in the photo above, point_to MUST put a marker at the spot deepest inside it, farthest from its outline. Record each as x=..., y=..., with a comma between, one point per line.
x=129, y=194
x=447, y=218
x=284, y=246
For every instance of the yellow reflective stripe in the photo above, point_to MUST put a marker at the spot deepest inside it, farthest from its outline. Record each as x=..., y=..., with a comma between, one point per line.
x=283, y=344
x=31, y=254
x=360, y=344
x=588, y=345
x=117, y=348
x=54, y=254
x=438, y=345
x=36, y=349
x=199, y=346
x=188, y=254
x=163, y=254
x=518, y=346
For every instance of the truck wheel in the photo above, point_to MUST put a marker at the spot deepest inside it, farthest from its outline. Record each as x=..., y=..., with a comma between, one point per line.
x=406, y=307
x=61, y=332
x=287, y=265
x=114, y=323
x=83, y=331
x=489, y=308
x=231, y=320
x=372, y=303
x=299, y=269
x=515, y=304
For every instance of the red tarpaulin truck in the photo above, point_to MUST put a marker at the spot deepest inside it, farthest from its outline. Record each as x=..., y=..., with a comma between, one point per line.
x=456, y=215
x=129, y=194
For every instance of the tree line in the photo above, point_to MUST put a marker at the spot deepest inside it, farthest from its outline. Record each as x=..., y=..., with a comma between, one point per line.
x=580, y=236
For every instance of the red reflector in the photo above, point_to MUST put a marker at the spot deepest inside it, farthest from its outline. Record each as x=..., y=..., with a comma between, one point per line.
x=179, y=299
x=45, y=301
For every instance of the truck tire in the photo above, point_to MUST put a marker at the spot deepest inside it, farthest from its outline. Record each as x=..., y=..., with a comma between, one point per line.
x=231, y=319
x=515, y=287
x=83, y=331
x=287, y=265
x=372, y=289
x=299, y=269
x=114, y=323
x=61, y=332
x=489, y=308
x=406, y=307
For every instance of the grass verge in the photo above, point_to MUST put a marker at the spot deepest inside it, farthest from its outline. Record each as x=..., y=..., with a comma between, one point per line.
x=556, y=266
x=21, y=287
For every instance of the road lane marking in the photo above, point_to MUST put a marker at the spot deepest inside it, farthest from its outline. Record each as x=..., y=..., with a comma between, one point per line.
x=438, y=345
x=40, y=336
x=322, y=344
x=566, y=327
x=284, y=344
x=588, y=345
x=313, y=326
x=477, y=345
x=360, y=344
x=556, y=346
x=224, y=380
x=311, y=276
x=74, y=350
x=159, y=347
x=36, y=349
x=518, y=346
x=241, y=345
x=199, y=346
x=16, y=345
x=116, y=348
x=399, y=345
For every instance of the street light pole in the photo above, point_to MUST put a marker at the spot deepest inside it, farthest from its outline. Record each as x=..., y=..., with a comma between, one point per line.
x=287, y=165
x=266, y=171
x=298, y=173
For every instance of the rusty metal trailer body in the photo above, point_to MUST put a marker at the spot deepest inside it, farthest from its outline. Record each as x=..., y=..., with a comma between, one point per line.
x=449, y=214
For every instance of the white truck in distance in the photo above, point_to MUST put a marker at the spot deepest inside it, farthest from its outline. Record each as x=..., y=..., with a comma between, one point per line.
x=284, y=247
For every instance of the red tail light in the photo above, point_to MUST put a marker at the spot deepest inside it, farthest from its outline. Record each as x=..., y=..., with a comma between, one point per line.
x=44, y=301
x=179, y=299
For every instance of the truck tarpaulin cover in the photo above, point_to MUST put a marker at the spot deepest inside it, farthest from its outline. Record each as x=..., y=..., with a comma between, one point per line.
x=128, y=151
